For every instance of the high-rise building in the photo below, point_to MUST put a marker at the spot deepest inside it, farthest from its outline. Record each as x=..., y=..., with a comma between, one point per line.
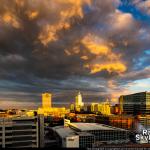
x=19, y=132
x=78, y=102
x=72, y=107
x=47, y=109
x=136, y=104
x=46, y=100
x=104, y=108
x=94, y=107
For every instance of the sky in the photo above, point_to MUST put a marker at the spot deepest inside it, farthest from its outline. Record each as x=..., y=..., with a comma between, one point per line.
x=101, y=48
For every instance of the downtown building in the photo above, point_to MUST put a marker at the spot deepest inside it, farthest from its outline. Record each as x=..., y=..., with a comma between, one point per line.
x=136, y=104
x=47, y=109
x=103, y=108
x=122, y=121
x=89, y=135
x=78, y=106
x=21, y=132
x=144, y=121
x=78, y=103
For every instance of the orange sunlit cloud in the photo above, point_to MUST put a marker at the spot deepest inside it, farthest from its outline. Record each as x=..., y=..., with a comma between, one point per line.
x=10, y=19
x=73, y=51
x=99, y=49
x=111, y=84
x=79, y=44
x=32, y=14
x=116, y=94
x=20, y=2
x=111, y=67
x=49, y=33
x=95, y=48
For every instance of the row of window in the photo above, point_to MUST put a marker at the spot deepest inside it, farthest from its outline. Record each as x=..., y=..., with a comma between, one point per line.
x=20, y=127
x=24, y=138
x=20, y=133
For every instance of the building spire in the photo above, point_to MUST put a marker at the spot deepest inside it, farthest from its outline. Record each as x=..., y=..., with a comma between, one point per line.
x=79, y=93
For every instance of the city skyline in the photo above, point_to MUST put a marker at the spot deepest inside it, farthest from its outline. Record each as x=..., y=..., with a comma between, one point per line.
x=100, y=48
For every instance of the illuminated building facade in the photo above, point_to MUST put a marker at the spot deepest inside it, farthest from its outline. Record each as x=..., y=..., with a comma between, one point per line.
x=46, y=100
x=78, y=102
x=136, y=104
x=104, y=108
x=72, y=108
x=122, y=121
x=94, y=107
x=46, y=108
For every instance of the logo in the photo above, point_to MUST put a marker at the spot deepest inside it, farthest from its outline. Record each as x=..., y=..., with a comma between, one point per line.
x=143, y=137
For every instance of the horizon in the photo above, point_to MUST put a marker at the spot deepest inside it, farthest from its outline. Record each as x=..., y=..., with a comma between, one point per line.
x=62, y=104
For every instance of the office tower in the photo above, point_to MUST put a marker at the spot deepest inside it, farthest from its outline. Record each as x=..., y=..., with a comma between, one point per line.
x=136, y=104
x=46, y=100
x=104, y=108
x=78, y=102
x=72, y=107
x=47, y=109
x=94, y=107
x=19, y=132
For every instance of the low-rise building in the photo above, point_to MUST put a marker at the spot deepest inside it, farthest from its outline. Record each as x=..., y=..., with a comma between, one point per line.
x=122, y=121
x=86, y=135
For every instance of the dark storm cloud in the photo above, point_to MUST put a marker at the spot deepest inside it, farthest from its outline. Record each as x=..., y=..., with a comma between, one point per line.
x=44, y=46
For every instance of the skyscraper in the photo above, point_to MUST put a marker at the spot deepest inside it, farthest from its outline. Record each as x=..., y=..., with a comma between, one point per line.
x=46, y=100
x=78, y=102
x=47, y=108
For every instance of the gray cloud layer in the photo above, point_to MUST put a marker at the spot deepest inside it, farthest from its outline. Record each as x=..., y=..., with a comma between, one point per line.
x=44, y=46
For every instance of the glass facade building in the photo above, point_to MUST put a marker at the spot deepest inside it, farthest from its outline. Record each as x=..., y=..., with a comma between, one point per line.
x=136, y=104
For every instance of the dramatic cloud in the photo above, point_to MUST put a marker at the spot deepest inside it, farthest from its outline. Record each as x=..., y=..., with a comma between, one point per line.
x=63, y=46
x=143, y=5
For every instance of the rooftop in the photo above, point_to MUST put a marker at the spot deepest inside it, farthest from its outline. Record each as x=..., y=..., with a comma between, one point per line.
x=66, y=131
x=93, y=126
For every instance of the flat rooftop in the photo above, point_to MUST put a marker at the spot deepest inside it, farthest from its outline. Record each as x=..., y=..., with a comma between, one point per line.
x=93, y=126
x=66, y=132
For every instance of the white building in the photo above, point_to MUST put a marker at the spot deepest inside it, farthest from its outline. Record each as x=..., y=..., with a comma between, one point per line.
x=78, y=102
